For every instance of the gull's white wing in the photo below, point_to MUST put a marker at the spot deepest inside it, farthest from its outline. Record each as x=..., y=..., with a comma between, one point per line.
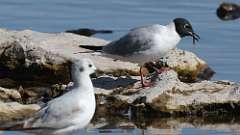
x=57, y=114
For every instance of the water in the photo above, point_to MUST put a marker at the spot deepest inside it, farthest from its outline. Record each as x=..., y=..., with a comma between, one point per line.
x=219, y=44
x=154, y=126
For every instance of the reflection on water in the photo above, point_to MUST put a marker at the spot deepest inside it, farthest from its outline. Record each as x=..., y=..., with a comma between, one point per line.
x=155, y=126
x=138, y=131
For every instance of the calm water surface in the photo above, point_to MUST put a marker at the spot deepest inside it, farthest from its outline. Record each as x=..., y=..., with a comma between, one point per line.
x=219, y=44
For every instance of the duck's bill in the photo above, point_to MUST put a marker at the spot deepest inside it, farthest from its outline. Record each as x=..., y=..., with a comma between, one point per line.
x=195, y=37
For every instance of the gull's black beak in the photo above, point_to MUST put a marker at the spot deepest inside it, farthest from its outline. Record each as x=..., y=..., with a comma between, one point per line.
x=94, y=75
x=195, y=37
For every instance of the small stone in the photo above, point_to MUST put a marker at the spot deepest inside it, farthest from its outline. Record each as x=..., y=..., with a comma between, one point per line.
x=228, y=11
x=15, y=111
x=8, y=95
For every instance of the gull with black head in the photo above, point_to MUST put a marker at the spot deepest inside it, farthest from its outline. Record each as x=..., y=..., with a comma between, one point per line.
x=148, y=43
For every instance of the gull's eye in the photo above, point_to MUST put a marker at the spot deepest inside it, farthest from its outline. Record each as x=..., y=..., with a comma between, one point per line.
x=90, y=65
x=187, y=26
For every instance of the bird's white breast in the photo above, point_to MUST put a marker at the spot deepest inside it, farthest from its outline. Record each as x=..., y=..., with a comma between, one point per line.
x=163, y=40
x=88, y=105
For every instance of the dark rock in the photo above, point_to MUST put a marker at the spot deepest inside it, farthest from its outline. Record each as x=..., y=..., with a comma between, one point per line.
x=89, y=32
x=8, y=83
x=13, y=56
x=228, y=11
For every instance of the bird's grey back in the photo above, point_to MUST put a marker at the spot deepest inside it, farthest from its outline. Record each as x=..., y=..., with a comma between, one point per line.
x=138, y=39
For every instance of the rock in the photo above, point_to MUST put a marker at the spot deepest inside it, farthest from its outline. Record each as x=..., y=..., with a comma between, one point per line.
x=89, y=32
x=173, y=96
x=189, y=67
x=35, y=95
x=13, y=56
x=30, y=55
x=43, y=56
x=8, y=95
x=228, y=11
x=170, y=96
x=39, y=94
x=33, y=57
x=14, y=111
x=8, y=83
x=32, y=95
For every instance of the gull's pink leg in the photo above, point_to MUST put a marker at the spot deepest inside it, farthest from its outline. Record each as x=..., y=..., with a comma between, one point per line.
x=144, y=84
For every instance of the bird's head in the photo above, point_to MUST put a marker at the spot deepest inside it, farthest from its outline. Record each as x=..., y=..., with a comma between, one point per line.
x=83, y=66
x=184, y=28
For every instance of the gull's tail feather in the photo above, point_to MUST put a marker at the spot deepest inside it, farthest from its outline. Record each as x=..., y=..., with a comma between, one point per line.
x=93, y=48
